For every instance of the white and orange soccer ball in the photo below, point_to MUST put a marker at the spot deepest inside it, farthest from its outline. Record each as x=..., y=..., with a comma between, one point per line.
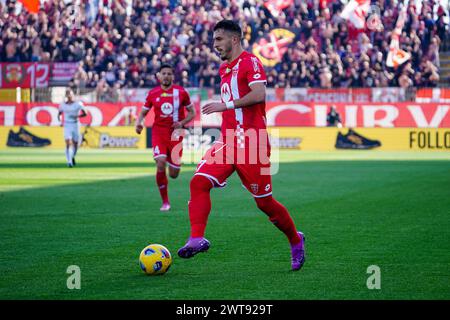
x=155, y=259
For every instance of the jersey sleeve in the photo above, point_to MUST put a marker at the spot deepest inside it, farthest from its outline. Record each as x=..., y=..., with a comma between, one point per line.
x=186, y=99
x=148, y=102
x=255, y=71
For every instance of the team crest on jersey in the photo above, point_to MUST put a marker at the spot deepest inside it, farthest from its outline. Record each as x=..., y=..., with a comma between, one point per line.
x=254, y=187
x=225, y=92
x=167, y=108
x=227, y=70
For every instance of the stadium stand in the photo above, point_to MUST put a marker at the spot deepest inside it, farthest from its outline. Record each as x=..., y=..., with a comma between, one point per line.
x=121, y=43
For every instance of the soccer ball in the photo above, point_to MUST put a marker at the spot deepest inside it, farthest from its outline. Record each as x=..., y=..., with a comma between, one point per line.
x=155, y=259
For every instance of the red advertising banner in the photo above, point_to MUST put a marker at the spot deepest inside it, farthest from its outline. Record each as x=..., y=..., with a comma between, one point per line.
x=99, y=114
x=368, y=115
x=385, y=115
x=24, y=75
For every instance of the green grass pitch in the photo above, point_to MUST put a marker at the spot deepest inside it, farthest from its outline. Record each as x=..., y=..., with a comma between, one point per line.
x=357, y=209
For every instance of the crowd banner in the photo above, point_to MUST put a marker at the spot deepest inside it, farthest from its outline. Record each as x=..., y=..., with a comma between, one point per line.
x=35, y=74
x=425, y=95
x=271, y=48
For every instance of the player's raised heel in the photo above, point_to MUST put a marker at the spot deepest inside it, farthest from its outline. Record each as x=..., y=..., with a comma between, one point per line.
x=298, y=253
x=192, y=247
x=165, y=207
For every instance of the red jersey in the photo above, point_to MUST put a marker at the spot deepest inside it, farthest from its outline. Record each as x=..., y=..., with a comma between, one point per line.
x=236, y=78
x=169, y=105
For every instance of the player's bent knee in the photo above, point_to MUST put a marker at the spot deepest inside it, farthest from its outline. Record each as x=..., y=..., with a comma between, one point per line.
x=161, y=164
x=174, y=173
x=200, y=183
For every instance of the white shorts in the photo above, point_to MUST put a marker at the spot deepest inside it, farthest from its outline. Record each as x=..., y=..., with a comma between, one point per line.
x=72, y=131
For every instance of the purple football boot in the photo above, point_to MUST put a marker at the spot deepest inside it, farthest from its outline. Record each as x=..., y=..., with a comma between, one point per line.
x=298, y=253
x=193, y=246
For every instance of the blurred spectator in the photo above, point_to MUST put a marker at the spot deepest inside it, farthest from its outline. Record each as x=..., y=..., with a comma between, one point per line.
x=128, y=40
x=333, y=118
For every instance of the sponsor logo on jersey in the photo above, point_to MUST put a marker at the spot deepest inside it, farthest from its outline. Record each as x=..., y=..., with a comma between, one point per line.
x=167, y=108
x=256, y=76
x=165, y=94
x=225, y=92
x=267, y=188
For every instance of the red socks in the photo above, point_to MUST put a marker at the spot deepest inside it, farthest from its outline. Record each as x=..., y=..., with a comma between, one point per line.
x=280, y=217
x=161, y=181
x=199, y=205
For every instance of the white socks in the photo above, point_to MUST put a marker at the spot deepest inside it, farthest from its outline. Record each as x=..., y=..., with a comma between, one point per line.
x=69, y=155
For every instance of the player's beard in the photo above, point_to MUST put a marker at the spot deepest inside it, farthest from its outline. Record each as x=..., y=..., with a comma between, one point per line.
x=226, y=53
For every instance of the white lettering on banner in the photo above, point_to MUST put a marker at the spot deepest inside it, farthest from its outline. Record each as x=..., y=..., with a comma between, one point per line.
x=321, y=116
x=42, y=79
x=421, y=121
x=351, y=119
x=108, y=141
x=273, y=113
x=8, y=115
x=96, y=115
x=387, y=121
x=32, y=118
x=122, y=114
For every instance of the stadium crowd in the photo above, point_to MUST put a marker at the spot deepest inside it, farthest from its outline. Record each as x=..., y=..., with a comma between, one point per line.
x=121, y=43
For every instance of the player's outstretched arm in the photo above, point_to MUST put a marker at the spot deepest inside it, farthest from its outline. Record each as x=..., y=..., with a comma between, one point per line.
x=139, y=123
x=83, y=113
x=256, y=95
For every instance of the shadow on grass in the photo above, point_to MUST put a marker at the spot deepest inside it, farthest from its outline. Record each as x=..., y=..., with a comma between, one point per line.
x=82, y=165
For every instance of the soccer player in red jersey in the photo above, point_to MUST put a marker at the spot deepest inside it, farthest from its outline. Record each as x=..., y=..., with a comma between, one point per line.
x=244, y=135
x=169, y=102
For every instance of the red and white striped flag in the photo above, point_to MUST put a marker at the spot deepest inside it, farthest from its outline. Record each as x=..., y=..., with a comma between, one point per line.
x=356, y=11
x=276, y=6
x=397, y=56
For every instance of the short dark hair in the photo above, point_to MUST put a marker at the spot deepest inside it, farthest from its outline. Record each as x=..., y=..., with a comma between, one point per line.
x=165, y=65
x=229, y=25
